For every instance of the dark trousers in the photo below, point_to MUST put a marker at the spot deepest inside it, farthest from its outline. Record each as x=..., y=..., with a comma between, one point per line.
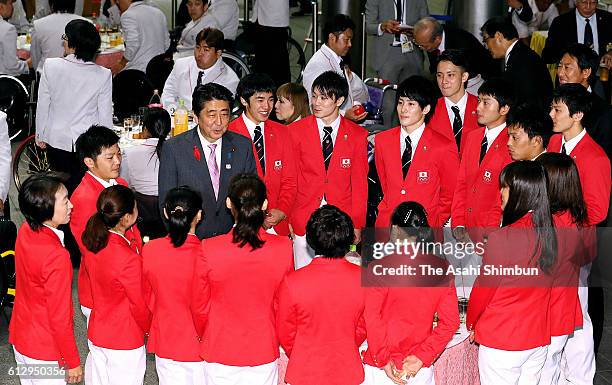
x=271, y=55
x=149, y=219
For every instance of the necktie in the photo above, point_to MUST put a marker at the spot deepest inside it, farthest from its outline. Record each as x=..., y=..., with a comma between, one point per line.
x=407, y=157
x=483, y=148
x=563, y=150
x=457, y=125
x=588, y=34
x=327, y=145
x=213, y=169
x=200, y=76
x=398, y=10
x=258, y=140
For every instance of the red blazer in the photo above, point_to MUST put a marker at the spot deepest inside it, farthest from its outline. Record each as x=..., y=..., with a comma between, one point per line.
x=511, y=312
x=396, y=330
x=280, y=178
x=233, y=308
x=168, y=279
x=442, y=124
x=120, y=318
x=344, y=184
x=430, y=179
x=320, y=323
x=594, y=169
x=477, y=201
x=42, y=324
x=84, y=199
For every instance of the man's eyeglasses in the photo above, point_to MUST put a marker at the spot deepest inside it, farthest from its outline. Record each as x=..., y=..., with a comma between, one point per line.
x=64, y=37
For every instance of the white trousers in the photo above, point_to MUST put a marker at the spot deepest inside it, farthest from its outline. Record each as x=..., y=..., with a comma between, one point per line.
x=578, y=359
x=88, y=371
x=552, y=366
x=172, y=372
x=376, y=376
x=219, y=374
x=501, y=367
x=302, y=253
x=48, y=365
x=117, y=367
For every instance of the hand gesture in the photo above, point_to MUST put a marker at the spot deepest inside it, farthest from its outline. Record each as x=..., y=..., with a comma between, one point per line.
x=412, y=365
x=393, y=374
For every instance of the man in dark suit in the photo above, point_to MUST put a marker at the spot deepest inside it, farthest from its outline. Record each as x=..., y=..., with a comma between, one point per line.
x=206, y=158
x=523, y=68
x=573, y=27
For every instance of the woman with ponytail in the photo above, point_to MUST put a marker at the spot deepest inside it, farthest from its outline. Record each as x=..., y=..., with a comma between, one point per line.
x=237, y=276
x=508, y=309
x=168, y=265
x=119, y=318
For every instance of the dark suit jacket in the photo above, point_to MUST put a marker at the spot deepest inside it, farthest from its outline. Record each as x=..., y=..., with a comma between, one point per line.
x=598, y=123
x=563, y=32
x=179, y=166
x=529, y=76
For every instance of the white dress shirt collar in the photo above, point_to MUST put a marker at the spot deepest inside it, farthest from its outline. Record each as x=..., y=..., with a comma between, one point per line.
x=493, y=133
x=508, y=52
x=335, y=125
x=58, y=232
x=581, y=24
x=415, y=137
x=121, y=235
x=250, y=125
x=442, y=45
x=462, y=104
x=572, y=143
x=205, y=143
x=105, y=184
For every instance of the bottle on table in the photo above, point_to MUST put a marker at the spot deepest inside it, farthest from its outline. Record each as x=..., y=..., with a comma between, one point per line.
x=181, y=119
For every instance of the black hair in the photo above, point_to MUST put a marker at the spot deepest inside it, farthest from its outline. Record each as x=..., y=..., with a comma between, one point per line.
x=500, y=90
x=532, y=120
x=586, y=58
x=526, y=181
x=84, y=38
x=411, y=217
x=501, y=25
x=182, y=204
x=574, y=96
x=455, y=56
x=157, y=121
x=63, y=6
x=213, y=37
x=336, y=25
x=37, y=199
x=564, y=188
x=330, y=232
x=247, y=193
x=254, y=83
x=331, y=84
x=207, y=92
x=91, y=143
x=113, y=203
x=420, y=90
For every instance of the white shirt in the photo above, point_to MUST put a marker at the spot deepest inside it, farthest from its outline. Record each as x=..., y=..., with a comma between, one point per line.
x=492, y=133
x=19, y=19
x=140, y=167
x=58, y=232
x=224, y=13
x=5, y=158
x=581, y=24
x=47, y=37
x=206, y=149
x=9, y=63
x=523, y=27
x=508, y=52
x=105, y=184
x=462, y=103
x=415, y=137
x=571, y=144
x=191, y=31
x=334, y=125
x=271, y=13
x=250, y=125
x=442, y=45
x=543, y=20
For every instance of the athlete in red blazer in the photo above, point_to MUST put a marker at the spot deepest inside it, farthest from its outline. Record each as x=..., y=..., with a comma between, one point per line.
x=441, y=123
x=429, y=181
x=280, y=178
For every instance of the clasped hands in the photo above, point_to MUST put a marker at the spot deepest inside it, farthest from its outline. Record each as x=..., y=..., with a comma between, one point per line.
x=410, y=367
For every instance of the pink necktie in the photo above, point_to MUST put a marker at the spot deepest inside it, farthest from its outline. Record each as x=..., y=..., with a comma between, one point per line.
x=213, y=169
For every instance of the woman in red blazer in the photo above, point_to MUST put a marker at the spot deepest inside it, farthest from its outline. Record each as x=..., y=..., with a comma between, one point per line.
x=320, y=307
x=237, y=276
x=508, y=311
x=168, y=265
x=42, y=329
x=401, y=340
x=120, y=318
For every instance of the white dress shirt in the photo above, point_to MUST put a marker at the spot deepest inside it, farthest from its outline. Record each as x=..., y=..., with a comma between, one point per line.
x=184, y=77
x=58, y=232
x=9, y=63
x=572, y=143
x=442, y=45
x=250, y=125
x=204, y=142
x=462, y=103
x=335, y=125
x=492, y=133
x=145, y=34
x=271, y=13
x=72, y=96
x=105, y=184
x=140, y=167
x=5, y=158
x=581, y=24
x=415, y=137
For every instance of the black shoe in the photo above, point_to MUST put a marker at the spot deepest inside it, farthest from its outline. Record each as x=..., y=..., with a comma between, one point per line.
x=301, y=12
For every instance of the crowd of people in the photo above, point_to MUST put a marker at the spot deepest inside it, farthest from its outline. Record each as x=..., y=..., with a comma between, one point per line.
x=223, y=250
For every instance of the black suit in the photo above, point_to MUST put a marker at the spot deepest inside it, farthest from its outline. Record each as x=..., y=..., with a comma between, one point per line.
x=563, y=32
x=180, y=166
x=529, y=76
x=598, y=123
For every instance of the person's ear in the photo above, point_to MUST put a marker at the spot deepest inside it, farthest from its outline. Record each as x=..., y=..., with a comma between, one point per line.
x=340, y=101
x=166, y=214
x=228, y=203
x=464, y=77
x=198, y=216
x=89, y=163
x=264, y=206
x=426, y=109
x=578, y=116
x=586, y=73
x=244, y=103
x=504, y=110
x=498, y=36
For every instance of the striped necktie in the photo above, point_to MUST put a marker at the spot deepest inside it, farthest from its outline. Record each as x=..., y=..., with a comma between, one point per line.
x=407, y=157
x=258, y=140
x=327, y=145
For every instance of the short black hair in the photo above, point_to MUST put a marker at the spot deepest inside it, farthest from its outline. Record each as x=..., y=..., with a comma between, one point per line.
x=500, y=90
x=455, y=56
x=207, y=92
x=64, y=6
x=330, y=232
x=336, y=25
x=574, y=96
x=532, y=120
x=91, y=143
x=37, y=199
x=586, y=58
x=254, y=83
x=84, y=38
x=502, y=25
x=420, y=90
x=331, y=84
x=213, y=37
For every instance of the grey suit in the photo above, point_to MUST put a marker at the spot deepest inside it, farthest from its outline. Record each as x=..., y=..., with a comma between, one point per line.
x=179, y=166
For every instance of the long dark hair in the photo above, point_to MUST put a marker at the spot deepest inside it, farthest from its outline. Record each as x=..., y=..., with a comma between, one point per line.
x=411, y=217
x=527, y=183
x=247, y=193
x=157, y=122
x=113, y=203
x=563, y=184
x=182, y=205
